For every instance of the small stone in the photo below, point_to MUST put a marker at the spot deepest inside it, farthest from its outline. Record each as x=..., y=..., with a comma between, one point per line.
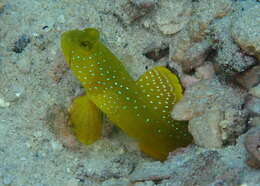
x=203, y=95
x=214, y=112
x=204, y=13
x=2, y=7
x=188, y=80
x=205, y=129
x=253, y=105
x=255, y=122
x=134, y=10
x=186, y=53
x=61, y=19
x=249, y=78
x=56, y=146
x=255, y=91
x=21, y=44
x=116, y=182
x=73, y=182
x=252, y=145
x=7, y=180
x=205, y=71
x=4, y=103
x=173, y=16
x=246, y=33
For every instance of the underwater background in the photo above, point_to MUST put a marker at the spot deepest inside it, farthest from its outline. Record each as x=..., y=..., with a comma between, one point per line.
x=213, y=46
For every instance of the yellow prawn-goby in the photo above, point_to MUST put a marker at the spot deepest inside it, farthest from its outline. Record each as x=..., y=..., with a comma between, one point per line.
x=140, y=108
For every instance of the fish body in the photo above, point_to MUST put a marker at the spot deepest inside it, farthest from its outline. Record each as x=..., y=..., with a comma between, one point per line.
x=140, y=108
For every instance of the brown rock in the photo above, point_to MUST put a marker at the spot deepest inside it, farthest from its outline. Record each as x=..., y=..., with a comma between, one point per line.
x=249, y=78
x=252, y=145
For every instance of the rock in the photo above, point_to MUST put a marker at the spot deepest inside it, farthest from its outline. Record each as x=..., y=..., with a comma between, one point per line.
x=205, y=129
x=7, y=180
x=227, y=56
x=255, y=91
x=230, y=60
x=188, y=80
x=173, y=15
x=204, y=13
x=21, y=43
x=253, y=105
x=215, y=113
x=205, y=71
x=245, y=31
x=191, y=46
x=252, y=145
x=254, y=122
x=116, y=182
x=187, y=53
x=2, y=7
x=4, y=103
x=202, y=168
x=134, y=10
x=249, y=78
x=151, y=171
x=203, y=95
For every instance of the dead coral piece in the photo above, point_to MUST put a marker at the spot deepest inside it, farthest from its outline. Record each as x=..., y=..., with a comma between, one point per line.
x=245, y=31
x=214, y=111
x=252, y=145
x=173, y=16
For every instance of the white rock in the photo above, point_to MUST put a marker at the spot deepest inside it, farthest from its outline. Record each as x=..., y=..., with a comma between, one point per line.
x=173, y=16
x=4, y=103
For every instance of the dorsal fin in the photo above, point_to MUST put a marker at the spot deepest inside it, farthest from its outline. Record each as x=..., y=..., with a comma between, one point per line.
x=162, y=88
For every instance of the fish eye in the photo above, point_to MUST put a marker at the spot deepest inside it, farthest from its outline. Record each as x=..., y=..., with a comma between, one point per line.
x=86, y=44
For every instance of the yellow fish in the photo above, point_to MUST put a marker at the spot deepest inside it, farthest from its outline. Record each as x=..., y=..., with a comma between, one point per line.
x=140, y=108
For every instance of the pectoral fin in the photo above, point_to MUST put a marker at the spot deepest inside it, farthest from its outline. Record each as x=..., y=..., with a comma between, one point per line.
x=86, y=120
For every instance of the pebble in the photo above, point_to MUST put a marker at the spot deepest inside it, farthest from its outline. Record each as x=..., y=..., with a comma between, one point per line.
x=253, y=105
x=249, y=78
x=56, y=146
x=252, y=145
x=21, y=43
x=255, y=91
x=4, y=103
x=7, y=180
